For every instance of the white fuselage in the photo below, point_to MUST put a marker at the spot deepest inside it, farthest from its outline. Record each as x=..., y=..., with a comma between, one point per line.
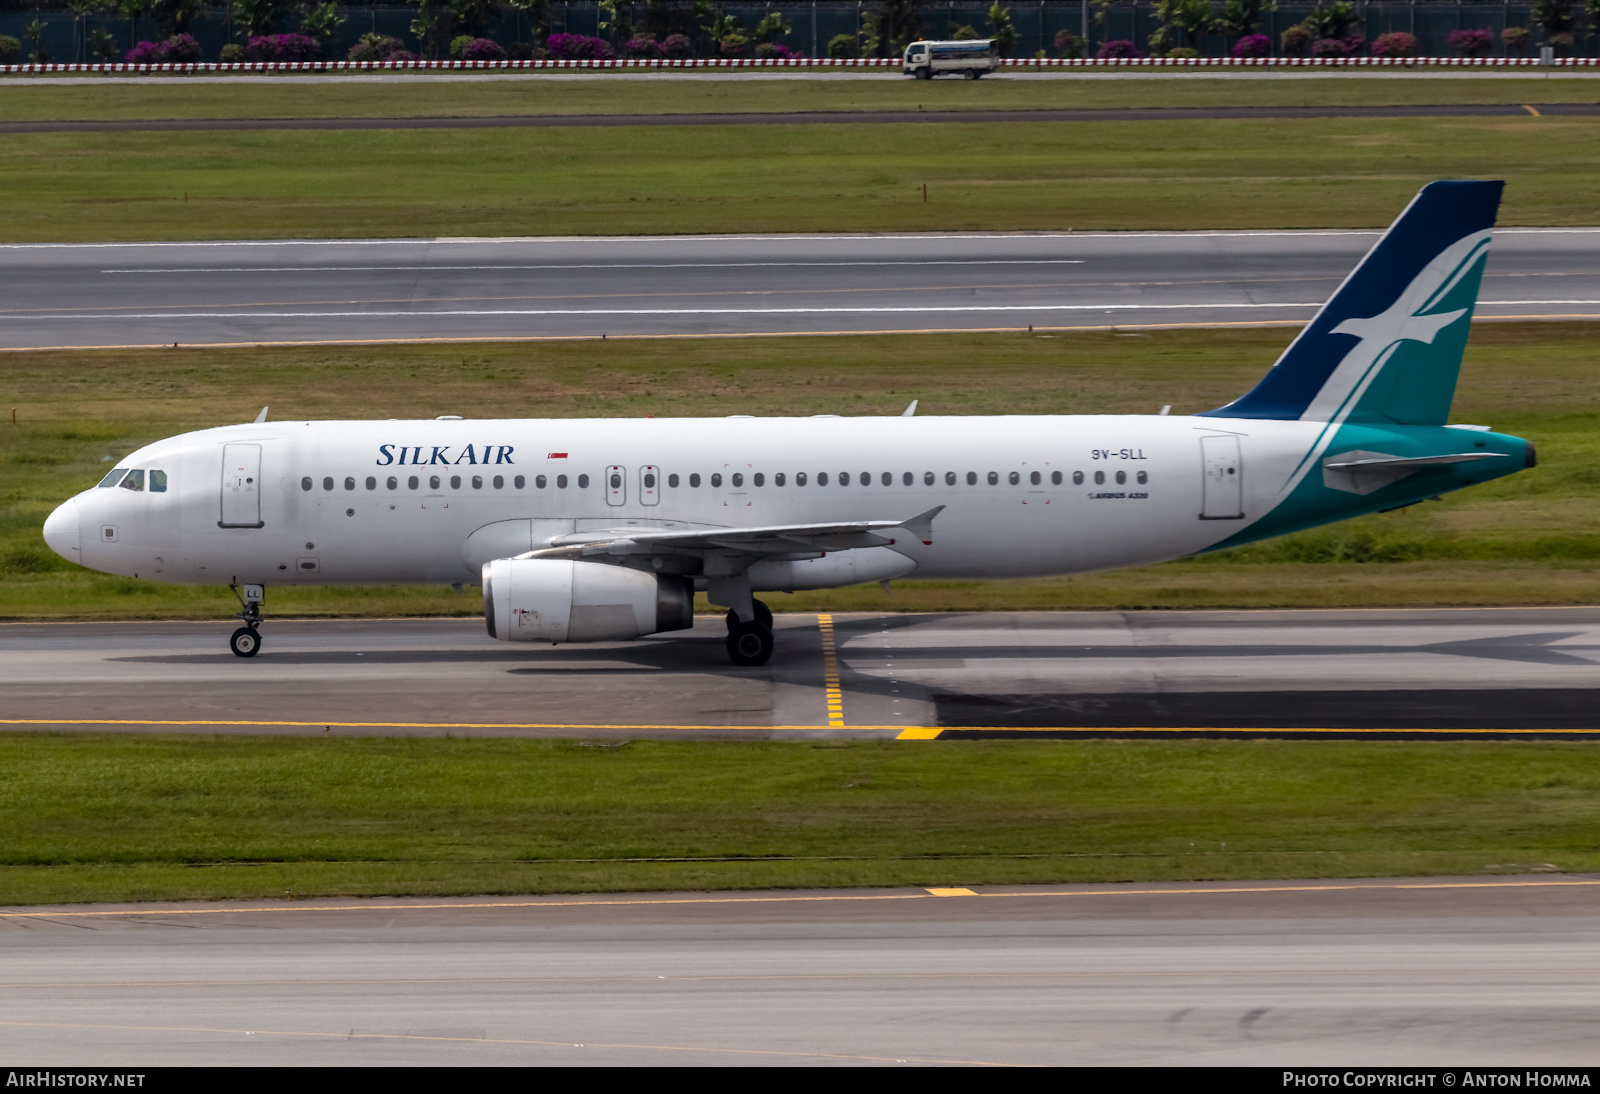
x=361, y=502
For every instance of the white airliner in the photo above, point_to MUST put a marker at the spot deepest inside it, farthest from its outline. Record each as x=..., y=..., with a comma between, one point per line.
x=599, y=529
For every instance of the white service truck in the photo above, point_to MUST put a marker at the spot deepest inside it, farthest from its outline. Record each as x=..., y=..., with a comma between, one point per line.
x=971, y=58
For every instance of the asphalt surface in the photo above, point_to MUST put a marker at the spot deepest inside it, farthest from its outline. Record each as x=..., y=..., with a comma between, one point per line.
x=218, y=294
x=865, y=117
x=1435, y=674
x=1420, y=972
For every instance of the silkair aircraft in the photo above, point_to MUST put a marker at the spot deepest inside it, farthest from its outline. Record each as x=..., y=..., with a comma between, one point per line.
x=599, y=529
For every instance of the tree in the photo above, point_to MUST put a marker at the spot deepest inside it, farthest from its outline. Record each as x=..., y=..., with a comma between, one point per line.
x=891, y=25
x=176, y=16
x=1002, y=30
x=1336, y=21
x=772, y=25
x=1241, y=17
x=33, y=34
x=1190, y=18
x=253, y=18
x=1557, y=22
x=321, y=21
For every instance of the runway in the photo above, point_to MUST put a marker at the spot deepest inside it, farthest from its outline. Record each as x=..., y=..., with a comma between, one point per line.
x=1435, y=972
x=1436, y=674
x=290, y=292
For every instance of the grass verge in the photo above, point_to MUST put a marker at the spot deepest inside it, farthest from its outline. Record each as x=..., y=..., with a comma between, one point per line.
x=161, y=818
x=360, y=98
x=1021, y=176
x=1529, y=539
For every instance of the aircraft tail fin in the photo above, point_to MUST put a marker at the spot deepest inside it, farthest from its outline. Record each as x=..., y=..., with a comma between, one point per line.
x=1387, y=345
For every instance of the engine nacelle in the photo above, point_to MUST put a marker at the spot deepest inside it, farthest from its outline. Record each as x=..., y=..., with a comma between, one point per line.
x=556, y=600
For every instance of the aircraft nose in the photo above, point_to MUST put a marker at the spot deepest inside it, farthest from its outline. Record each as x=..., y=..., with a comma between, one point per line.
x=61, y=531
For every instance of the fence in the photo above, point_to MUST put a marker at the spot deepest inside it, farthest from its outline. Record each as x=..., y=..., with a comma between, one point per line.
x=68, y=38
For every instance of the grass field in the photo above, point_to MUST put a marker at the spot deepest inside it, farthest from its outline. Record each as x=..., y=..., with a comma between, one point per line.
x=365, y=98
x=1533, y=538
x=143, y=818
x=751, y=178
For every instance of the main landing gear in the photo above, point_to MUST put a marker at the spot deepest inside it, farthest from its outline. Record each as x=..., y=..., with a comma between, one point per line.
x=246, y=641
x=750, y=643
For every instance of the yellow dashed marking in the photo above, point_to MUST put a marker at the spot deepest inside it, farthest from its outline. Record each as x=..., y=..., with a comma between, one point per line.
x=830, y=671
x=918, y=733
x=951, y=892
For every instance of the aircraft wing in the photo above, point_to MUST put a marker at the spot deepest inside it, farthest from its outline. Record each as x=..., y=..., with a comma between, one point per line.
x=791, y=540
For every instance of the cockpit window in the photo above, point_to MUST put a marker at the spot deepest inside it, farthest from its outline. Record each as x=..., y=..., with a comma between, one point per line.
x=158, y=482
x=134, y=481
x=114, y=477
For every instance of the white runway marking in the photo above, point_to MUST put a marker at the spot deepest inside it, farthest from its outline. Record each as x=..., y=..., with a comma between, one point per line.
x=823, y=265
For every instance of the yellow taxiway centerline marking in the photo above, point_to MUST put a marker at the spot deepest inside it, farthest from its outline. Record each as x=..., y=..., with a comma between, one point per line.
x=923, y=894
x=951, y=892
x=830, y=672
x=1532, y=111
x=353, y=1036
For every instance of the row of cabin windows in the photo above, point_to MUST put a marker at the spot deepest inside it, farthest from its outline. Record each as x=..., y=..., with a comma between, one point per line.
x=736, y=479
x=137, y=479
x=435, y=482
x=1035, y=478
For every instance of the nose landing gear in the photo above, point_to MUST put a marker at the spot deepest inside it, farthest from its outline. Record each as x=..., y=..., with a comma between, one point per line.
x=246, y=641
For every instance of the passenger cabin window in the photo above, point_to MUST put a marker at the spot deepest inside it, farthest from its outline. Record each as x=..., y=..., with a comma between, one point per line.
x=158, y=482
x=1144, y=477
x=519, y=481
x=778, y=479
x=1033, y=477
x=800, y=478
x=392, y=483
x=561, y=482
x=1077, y=478
x=134, y=481
x=1055, y=478
x=499, y=482
x=716, y=480
x=433, y=482
x=1013, y=478
x=972, y=478
x=113, y=476
x=822, y=478
x=327, y=482
x=349, y=483
x=949, y=478
x=844, y=478
x=455, y=482
x=994, y=478
x=305, y=483
x=672, y=480
x=758, y=479
x=372, y=483
x=477, y=482
x=411, y=483
x=583, y=482
x=738, y=479
x=694, y=479
x=1099, y=478
x=539, y=481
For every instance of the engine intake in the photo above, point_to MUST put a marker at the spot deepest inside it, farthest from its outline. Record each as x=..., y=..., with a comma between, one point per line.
x=557, y=600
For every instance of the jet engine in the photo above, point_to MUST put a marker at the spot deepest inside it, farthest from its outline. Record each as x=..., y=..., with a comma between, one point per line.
x=559, y=600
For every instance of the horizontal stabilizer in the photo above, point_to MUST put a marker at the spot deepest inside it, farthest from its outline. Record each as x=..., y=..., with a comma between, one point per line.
x=1367, y=472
